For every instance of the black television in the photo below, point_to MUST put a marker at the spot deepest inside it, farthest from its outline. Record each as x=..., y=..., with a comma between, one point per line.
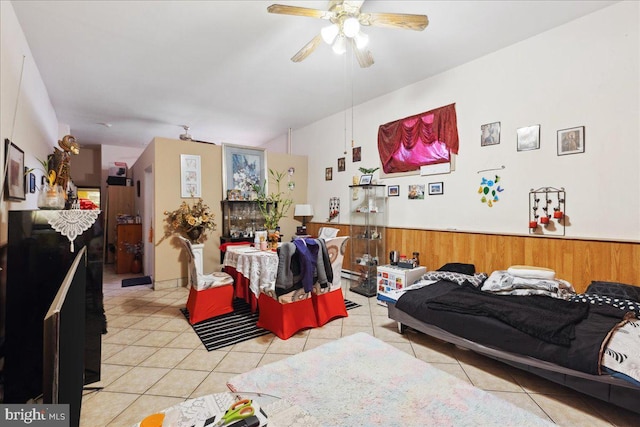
x=63, y=342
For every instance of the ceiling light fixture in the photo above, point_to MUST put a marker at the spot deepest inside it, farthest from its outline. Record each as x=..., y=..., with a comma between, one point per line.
x=329, y=33
x=346, y=27
x=340, y=45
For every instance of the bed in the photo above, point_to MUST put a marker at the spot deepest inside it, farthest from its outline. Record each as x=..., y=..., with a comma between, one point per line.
x=545, y=328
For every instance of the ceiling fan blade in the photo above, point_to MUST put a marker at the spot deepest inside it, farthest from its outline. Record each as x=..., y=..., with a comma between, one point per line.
x=364, y=57
x=307, y=49
x=300, y=11
x=395, y=20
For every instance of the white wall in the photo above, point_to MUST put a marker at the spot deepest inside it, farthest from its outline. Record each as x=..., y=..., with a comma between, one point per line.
x=584, y=73
x=33, y=126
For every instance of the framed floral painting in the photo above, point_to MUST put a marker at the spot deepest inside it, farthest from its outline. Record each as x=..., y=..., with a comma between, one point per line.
x=190, y=180
x=242, y=168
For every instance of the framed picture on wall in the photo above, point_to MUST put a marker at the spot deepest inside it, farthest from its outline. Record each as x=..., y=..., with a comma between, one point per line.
x=242, y=168
x=393, y=190
x=571, y=141
x=341, y=164
x=528, y=138
x=357, y=154
x=15, y=179
x=328, y=174
x=490, y=134
x=190, y=180
x=436, y=188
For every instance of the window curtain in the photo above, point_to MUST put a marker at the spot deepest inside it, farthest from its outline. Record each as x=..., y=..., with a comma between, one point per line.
x=424, y=139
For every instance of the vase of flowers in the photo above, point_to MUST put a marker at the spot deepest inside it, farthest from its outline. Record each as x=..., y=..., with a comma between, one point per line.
x=192, y=221
x=136, y=249
x=273, y=206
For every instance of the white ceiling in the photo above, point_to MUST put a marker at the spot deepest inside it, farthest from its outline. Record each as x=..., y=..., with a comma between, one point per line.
x=224, y=69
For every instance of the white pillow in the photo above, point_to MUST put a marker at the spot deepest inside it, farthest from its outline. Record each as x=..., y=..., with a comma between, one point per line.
x=531, y=272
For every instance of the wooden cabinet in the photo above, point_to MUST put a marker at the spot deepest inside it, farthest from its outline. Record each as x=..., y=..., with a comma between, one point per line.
x=120, y=200
x=126, y=234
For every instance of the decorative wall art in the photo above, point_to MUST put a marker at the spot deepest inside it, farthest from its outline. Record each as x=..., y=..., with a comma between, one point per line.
x=15, y=179
x=190, y=179
x=242, y=168
x=490, y=134
x=341, y=164
x=32, y=182
x=489, y=191
x=571, y=141
x=334, y=208
x=436, y=188
x=528, y=138
x=416, y=192
x=357, y=154
x=393, y=190
x=547, y=211
x=424, y=139
x=328, y=174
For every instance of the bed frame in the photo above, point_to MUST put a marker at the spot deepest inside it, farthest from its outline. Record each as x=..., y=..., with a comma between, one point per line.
x=604, y=387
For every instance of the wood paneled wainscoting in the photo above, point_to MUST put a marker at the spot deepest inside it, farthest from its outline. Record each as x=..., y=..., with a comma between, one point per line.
x=577, y=261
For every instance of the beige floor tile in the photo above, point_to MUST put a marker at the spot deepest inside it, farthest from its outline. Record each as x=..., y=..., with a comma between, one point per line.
x=187, y=339
x=327, y=331
x=273, y=357
x=534, y=384
x=103, y=407
x=216, y=382
x=238, y=362
x=131, y=355
x=255, y=345
x=614, y=414
x=522, y=401
x=491, y=378
x=569, y=411
x=158, y=338
x=166, y=357
x=178, y=383
x=110, y=373
x=202, y=360
x=350, y=330
x=123, y=321
x=389, y=333
x=170, y=312
x=126, y=336
x=403, y=346
x=153, y=323
x=357, y=320
x=314, y=342
x=433, y=351
x=175, y=325
x=452, y=369
x=293, y=345
x=137, y=380
x=109, y=350
x=143, y=407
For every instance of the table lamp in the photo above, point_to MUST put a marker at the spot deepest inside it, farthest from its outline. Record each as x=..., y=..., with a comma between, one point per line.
x=304, y=211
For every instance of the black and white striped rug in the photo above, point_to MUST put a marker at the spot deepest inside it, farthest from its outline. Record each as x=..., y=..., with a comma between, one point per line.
x=235, y=327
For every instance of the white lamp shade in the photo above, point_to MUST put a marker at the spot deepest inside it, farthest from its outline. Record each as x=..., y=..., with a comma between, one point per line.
x=303, y=210
x=351, y=27
x=340, y=45
x=362, y=40
x=329, y=33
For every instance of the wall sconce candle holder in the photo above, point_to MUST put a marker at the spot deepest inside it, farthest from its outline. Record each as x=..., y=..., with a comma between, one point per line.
x=552, y=203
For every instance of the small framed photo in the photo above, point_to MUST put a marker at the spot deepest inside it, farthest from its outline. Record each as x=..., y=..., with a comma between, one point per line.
x=416, y=192
x=32, y=182
x=436, y=188
x=328, y=174
x=490, y=134
x=357, y=154
x=15, y=179
x=365, y=179
x=393, y=190
x=571, y=141
x=529, y=138
x=341, y=164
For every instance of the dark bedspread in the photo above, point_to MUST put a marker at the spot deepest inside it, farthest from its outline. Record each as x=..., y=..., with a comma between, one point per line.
x=551, y=320
x=582, y=353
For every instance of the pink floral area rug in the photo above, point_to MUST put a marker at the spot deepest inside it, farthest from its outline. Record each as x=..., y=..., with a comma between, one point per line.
x=359, y=380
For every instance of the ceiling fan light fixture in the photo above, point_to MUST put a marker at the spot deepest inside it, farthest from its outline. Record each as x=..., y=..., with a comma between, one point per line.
x=351, y=27
x=329, y=33
x=361, y=39
x=340, y=45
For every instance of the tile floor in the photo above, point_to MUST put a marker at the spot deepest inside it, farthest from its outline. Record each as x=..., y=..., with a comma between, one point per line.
x=152, y=359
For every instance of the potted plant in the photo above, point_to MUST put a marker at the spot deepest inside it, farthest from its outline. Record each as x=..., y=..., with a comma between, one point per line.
x=191, y=221
x=275, y=205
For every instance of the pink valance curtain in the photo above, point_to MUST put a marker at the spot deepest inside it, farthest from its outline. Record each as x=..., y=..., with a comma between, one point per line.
x=424, y=139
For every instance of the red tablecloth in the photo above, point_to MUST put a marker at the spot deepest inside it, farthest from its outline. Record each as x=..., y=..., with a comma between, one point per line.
x=242, y=289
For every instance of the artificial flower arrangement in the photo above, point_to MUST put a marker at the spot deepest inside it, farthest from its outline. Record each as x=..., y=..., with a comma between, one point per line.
x=191, y=221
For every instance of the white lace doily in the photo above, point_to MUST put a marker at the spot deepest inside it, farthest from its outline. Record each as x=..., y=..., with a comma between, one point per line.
x=72, y=222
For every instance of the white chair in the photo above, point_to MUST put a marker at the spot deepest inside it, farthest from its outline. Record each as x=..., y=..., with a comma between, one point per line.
x=210, y=295
x=327, y=233
x=328, y=302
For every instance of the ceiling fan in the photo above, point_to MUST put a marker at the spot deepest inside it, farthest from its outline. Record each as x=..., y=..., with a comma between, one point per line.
x=346, y=20
x=186, y=136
